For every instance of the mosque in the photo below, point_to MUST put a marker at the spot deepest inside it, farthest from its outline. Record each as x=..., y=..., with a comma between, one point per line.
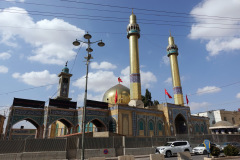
x=124, y=114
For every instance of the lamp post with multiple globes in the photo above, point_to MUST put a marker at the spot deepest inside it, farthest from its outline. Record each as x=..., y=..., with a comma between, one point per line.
x=88, y=58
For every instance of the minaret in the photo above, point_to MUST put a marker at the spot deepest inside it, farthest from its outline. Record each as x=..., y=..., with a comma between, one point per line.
x=64, y=83
x=133, y=33
x=172, y=51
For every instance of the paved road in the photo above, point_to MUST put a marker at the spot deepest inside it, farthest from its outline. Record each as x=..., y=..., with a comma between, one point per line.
x=195, y=157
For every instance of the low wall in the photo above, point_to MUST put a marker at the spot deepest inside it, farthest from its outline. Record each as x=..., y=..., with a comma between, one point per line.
x=139, y=151
x=11, y=156
x=96, y=153
x=34, y=155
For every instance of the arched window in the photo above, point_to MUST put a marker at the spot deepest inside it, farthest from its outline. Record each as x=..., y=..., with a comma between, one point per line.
x=141, y=126
x=150, y=124
x=160, y=126
x=197, y=128
x=202, y=129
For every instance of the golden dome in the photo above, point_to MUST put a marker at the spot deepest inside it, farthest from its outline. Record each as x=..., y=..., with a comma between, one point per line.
x=122, y=92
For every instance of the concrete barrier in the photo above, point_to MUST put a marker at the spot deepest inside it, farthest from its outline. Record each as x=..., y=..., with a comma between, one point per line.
x=44, y=155
x=139, y=151
x=157, y=157
x=34, y=155
x=96, y=153
x=184, y=156
x=126, y=157
x=96, y=158
x=11, y=156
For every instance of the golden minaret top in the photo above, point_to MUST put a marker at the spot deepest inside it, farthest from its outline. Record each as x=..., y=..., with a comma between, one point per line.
x=133, y=19
x=170, y=40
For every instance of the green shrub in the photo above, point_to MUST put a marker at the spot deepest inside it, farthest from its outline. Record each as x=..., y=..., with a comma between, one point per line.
x=230, y=150
x=215, y=151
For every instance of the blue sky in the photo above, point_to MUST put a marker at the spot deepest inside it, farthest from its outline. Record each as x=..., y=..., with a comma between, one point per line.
x=36, y=41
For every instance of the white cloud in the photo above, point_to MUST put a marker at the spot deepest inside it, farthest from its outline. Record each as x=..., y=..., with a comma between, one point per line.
x=168, y=80
x=165, y=60
x=208, y=89
x=3, y=69
x=5, y=55
x=53, y=49
x=238, y=95
x=103, y=65
x=209, y=29
x=101, y=81
x=194, y=106
x=37, y=78
x=147, y=78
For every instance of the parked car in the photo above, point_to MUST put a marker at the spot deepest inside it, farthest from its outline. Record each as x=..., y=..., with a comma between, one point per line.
x=200, y=149
x=231, y=143
x=171, y=148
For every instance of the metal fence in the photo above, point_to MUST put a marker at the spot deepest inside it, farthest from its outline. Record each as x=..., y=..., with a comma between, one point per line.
x=74, y=143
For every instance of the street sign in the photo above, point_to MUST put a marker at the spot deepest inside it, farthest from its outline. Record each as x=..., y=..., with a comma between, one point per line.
x=206, y=143
x=105, y=151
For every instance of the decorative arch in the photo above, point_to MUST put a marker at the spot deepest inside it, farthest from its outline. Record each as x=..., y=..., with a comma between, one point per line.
x=180, y=124
x=160, y=128
x=151, y=128
x=56, y=131
x=17, y=114
x=197, y=128
x=202, y=128
x=31, y=120
x=100, y=126
x=141, y=127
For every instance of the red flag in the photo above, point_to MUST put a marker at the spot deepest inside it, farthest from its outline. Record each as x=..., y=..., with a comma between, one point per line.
x=187, y=99
x=169, y=96
x=119, y=80
x=116, y=97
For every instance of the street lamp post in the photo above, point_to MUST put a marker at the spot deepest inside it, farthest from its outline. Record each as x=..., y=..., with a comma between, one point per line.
x=88, y=58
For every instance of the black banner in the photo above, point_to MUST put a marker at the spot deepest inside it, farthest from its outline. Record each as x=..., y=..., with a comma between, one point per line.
x=62, y=104
x=97, y=104
x=28, y=103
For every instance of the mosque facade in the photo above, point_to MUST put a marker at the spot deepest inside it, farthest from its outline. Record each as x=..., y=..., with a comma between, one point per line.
x=124, y=114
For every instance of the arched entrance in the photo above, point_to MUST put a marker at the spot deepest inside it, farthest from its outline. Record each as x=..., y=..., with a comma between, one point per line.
x=97, y=126
x=26, y=128
x=60, y=128
x=181, y=124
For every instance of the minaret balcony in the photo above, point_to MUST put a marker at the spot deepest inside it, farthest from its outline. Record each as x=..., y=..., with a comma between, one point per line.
x=172, y=51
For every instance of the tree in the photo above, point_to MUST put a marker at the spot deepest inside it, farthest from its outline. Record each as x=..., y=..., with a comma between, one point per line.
x=147, y=99
x=155, y=102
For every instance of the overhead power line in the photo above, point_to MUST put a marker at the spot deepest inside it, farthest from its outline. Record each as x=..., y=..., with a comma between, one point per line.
x=148, y=10
x=176, y=14
x=77, y=16
x=215, y=88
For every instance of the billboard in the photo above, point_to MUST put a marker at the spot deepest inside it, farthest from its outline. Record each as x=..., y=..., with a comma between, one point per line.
x=97, y=104
x=62, y=104
x=28, y=103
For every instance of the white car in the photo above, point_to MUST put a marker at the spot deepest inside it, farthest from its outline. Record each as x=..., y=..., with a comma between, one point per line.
x=200, y=149
x=171, y=148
